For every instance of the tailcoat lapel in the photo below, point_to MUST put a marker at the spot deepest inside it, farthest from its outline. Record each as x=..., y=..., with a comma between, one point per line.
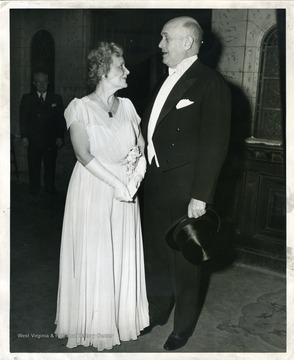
x=187, y=80
x=149, y=107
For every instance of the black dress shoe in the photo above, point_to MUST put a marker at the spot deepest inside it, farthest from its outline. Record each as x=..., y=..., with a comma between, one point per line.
x=175, y=342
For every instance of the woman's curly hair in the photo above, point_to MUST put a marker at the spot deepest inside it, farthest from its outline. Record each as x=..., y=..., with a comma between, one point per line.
x=100, y=59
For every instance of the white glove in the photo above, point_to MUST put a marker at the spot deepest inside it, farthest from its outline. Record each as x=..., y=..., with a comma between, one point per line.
x=121, y=192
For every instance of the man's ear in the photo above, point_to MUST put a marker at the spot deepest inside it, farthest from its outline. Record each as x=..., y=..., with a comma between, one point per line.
x=188, y=42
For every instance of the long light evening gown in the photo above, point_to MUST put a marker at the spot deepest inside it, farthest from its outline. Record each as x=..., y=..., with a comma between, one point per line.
x=101, y=293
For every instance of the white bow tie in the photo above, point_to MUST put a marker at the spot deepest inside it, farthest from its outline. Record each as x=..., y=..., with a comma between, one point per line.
x=180, y=69
x=182, y=66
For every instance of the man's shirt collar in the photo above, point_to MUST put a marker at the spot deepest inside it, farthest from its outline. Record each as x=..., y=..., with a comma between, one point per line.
x=183, y=66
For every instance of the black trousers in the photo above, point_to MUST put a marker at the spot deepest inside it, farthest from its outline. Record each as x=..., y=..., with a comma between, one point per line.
x=36, y=155
x=170, y=279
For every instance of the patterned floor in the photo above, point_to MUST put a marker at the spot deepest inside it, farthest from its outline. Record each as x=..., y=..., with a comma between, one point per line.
x=244, y=310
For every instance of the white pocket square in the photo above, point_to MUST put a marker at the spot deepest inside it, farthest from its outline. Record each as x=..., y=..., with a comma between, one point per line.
x=183, y=103
x=54, y=105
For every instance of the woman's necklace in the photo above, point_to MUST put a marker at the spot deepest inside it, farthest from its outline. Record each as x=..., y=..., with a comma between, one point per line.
x=105, y=107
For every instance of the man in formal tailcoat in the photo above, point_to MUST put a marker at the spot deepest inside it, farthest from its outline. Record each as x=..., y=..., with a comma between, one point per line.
x=42, y=127
x=187, y=128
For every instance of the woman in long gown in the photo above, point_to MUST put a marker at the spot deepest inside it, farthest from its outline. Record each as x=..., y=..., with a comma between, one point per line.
x=102, y=295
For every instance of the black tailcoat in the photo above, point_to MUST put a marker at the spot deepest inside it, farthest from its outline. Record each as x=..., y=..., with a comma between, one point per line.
x=191, y=144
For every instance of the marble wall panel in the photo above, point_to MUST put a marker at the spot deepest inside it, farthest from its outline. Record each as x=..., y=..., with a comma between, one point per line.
x=36, y=20
x=232, y=33
x=263, y=18
x=70, y=92
x=250, y=88
x=233, y=77
x=251, y=61
x=17, y=17
x=232, y=59
x=74, y=17
x=242, y=32
x=250, y=83
x=73, y=74
x=20, y=81
x=71, y=57
x=76, y=84
x=70, y=31
x=17, y=88
x=229, y=15
x=73, y=46
x=70, y=37
x=22, y=38
x=15, y=41
x=254, y=35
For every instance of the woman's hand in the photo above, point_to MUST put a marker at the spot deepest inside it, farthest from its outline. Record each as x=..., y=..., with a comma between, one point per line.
x=121, y=192
x=134, y=184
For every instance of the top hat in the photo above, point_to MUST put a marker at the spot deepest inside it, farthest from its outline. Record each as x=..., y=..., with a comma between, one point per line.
x=194, y=237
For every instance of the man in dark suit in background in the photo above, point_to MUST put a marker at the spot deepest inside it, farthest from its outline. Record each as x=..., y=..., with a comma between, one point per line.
x=187, y=130
x=42, y=127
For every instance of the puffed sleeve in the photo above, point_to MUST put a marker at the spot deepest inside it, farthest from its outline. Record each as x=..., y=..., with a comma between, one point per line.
x=75, y=111
x=134, y=115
